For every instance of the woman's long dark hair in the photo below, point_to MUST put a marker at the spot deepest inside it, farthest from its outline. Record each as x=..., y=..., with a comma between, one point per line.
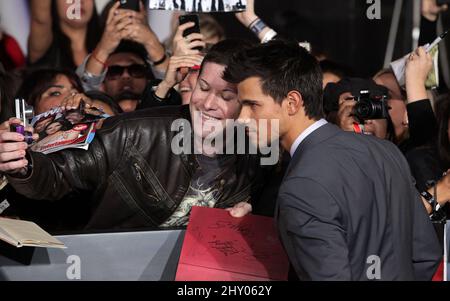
x=39, y=81
x=92, y=38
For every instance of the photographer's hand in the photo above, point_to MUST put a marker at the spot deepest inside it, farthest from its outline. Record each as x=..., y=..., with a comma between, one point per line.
x=13, y=149
x=344, y=118
x=418, y=66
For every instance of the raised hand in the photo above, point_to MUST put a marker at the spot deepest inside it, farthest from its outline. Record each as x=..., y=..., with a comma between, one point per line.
x=418, y=66
x=116, y=25
x=140, y=32
x=13, y=148
x=185, y=45
x=344, y=118
x=177, y=72
x=248, y=16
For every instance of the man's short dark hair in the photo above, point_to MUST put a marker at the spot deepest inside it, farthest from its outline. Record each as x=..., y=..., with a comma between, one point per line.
x=138, y=50
x=282, y=66
x=223, y=52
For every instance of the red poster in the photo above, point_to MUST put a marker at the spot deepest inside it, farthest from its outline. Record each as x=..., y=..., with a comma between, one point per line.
x=218, y=247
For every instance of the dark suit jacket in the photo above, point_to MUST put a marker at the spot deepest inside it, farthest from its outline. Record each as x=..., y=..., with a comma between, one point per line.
x=347, y=200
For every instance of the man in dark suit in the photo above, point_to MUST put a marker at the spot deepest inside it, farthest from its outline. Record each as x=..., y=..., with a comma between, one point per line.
x=347, y=208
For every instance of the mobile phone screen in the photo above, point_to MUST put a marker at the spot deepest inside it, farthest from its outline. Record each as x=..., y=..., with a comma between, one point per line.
x=130, y=4
x=190, y=18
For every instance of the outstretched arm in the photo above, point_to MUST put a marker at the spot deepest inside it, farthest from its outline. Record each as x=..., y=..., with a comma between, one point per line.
x=249, y=17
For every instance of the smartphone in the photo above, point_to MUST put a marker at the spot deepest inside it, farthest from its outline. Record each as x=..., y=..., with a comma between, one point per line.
x=130, y=4
x=190, y=18
x=194, y=29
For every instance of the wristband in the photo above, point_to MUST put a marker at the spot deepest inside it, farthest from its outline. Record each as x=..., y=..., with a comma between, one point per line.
x=94, y=56
x=257, y=26
x=161, y=60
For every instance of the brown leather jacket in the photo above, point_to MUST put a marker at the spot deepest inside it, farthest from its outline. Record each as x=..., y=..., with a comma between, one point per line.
x=136, y=179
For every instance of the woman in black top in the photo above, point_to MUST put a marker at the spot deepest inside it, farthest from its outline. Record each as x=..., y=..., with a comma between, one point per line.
x=429, y=162
x=61, y=35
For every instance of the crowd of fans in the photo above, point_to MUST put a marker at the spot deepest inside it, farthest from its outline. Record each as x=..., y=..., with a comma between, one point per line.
x=115, y=62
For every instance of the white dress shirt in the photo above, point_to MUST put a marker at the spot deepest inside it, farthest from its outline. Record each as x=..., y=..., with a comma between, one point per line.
x=315, y=126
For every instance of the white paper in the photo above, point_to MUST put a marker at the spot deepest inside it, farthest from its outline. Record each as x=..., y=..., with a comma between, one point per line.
x=22, y=233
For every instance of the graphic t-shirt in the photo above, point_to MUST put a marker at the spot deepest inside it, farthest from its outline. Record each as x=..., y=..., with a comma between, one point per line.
x=203, y=190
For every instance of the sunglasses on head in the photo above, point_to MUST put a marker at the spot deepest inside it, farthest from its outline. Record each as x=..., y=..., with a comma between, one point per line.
x=135, y=70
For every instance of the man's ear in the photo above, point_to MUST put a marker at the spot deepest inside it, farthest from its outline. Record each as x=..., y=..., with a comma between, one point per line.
x=294, y=101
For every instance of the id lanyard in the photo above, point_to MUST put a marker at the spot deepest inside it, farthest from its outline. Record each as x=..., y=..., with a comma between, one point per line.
x=358, y=128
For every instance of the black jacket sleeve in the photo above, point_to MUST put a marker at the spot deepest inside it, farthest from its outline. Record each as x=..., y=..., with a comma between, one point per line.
x=150, y=100
x=422, y=123
x=428, y=31
x=56, y=175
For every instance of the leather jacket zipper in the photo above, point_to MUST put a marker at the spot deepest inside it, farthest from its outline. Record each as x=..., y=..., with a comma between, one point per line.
x=138, y=172
x=140, y=175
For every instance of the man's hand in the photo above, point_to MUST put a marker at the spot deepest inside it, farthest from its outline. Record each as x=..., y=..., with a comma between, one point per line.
x=13, y=148
x=240, y=210
x=418, y=66
x=431, y=11
x=185, y=45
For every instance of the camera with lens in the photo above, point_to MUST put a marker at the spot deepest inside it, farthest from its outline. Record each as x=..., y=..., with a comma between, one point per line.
x=25, y=113
x=370, y=107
